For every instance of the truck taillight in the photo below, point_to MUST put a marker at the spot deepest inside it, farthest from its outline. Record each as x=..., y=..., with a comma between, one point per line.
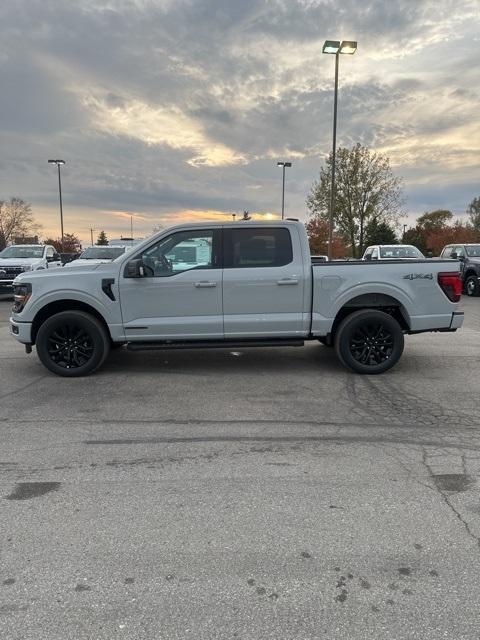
x=451, y=285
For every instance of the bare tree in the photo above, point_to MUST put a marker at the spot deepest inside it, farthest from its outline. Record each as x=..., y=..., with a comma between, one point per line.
x=366, y=191
x=16, y=219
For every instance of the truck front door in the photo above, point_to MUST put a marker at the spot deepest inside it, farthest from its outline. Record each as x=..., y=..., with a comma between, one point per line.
x=263, y=283
x=180, y=295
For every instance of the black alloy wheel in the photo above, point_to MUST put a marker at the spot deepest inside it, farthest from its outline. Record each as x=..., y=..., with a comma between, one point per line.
x=369, y=341
x=72, y=343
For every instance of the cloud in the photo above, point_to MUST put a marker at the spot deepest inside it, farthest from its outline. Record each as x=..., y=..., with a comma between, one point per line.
x=166, y=108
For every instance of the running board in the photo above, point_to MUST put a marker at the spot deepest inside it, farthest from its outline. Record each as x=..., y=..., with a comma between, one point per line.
x=211, y=344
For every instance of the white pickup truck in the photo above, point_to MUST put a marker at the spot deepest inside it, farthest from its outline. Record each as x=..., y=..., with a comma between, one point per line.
x=26, y=257
x=242, y=284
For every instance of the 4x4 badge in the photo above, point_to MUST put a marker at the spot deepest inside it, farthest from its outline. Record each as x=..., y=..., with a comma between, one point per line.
x=419, y=276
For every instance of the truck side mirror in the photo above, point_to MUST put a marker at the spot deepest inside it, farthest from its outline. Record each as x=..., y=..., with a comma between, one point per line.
x=134, y=269
x=454, y=255
x=368, y=256
x=429, y=254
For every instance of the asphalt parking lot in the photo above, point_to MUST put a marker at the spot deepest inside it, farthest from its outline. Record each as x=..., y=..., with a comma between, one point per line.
x=263, y=494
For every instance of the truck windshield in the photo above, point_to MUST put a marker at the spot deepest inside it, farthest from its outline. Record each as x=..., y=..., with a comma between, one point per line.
x=401, y=251
x=473, y=251
x=102, y=253
x=22, y=251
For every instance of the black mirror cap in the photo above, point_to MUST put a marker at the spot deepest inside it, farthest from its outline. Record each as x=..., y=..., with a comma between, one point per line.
x=134, y=269
x=429, y=254
x=454, y=255
x=368, y=257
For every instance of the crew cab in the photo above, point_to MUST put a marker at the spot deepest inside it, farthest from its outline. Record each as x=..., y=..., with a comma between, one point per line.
x=18, y=258
x=469, y=257
x=242, y=284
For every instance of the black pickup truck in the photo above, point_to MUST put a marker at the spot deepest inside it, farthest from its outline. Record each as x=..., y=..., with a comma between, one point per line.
x=469, y=256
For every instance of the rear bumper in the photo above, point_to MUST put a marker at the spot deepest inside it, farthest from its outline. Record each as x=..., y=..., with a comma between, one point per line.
x=21, y=331
x=457, y=320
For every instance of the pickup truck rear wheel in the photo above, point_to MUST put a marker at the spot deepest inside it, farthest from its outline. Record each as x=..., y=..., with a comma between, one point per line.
x=369, y=341
x=72, y=343
x=472, y=287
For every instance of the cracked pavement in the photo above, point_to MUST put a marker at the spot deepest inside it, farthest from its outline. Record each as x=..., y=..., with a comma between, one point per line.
x=261, y=494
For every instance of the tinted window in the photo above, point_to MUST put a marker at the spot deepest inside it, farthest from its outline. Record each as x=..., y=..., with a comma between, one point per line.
x=446, y=252
x=473, y=250
x=375, y=254
x=254, y=247
x=460, y=251
x=179, y=252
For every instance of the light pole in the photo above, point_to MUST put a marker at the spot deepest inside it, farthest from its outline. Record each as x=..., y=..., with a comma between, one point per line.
x=58, y=163
x=404, y=230
x=335, y=47
x=283, y=165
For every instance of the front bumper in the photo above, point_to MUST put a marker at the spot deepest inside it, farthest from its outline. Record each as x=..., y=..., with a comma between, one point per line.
x=21, y=331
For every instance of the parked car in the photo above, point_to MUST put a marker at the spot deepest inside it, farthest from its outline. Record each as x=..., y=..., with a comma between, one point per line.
x=246, y=284
x=68, y=257
x=18, y=258
x=392, y=252
x=469, y=257
x=97, y=255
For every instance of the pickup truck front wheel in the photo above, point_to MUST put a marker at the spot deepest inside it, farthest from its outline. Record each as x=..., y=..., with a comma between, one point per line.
x=369, y=341
x=72, y=344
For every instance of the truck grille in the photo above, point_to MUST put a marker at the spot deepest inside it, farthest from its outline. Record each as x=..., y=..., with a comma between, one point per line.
x=9, y=273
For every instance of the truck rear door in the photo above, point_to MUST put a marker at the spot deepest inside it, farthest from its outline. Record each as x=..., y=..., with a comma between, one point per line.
x=263, y=282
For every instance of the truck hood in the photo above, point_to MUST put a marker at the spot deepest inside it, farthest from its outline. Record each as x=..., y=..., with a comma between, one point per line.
x=32, y=276
x=18, y=262
x=81, y=261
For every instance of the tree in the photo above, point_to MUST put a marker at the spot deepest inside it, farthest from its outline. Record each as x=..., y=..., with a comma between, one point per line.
x=317, y=231
x=71, y=244
x=434, y=220
x=379, y=233
x=16, y=219
x=365, y=190
x=102, y=239
x=473, y=211
x=416, y=237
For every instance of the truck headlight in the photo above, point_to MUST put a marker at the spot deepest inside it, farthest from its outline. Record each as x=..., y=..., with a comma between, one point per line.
x=21, y=295
x=27, y=267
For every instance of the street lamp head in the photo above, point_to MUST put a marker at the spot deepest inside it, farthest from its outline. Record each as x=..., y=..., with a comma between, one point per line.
x=284, y=164
x=57, y=162
x=348, y=46
x=331, y=46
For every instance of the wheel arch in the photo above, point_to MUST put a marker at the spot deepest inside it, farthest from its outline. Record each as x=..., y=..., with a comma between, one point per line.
x=379, y=301
x=57, y=306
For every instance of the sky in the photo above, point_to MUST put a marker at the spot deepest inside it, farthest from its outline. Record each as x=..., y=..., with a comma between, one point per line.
x=176, y=110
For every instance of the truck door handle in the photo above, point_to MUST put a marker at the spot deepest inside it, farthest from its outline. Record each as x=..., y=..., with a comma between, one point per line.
x=287, y=281
x=204, y=284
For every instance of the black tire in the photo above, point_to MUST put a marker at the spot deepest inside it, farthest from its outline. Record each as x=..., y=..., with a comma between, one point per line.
x=471, y=286
x=327, y=342
x=369, y=341
x=72, y=344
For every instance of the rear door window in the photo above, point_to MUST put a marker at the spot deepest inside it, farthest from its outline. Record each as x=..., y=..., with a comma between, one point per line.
x=257, y=247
